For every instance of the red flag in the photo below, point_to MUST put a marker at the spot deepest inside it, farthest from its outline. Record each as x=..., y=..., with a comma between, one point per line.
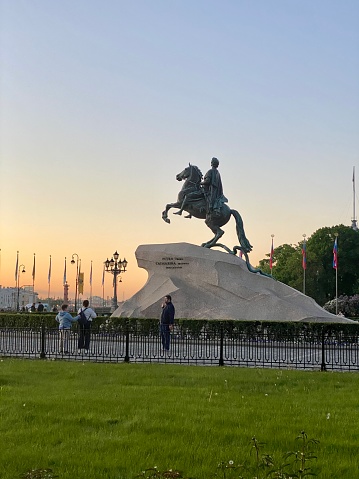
x=271, y=256
x=335, y=254
x=304, y=254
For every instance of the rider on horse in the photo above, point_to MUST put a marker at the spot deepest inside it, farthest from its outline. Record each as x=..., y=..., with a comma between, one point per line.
x=205, y=200
x=213, y=190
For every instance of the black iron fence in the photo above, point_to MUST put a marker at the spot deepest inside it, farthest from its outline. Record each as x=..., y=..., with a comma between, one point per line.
x=324, y=347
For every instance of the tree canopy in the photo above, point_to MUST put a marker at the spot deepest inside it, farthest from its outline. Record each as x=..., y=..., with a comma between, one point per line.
x=320, y=276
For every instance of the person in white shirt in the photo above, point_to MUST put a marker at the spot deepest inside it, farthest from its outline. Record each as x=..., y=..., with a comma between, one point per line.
x=85, y=326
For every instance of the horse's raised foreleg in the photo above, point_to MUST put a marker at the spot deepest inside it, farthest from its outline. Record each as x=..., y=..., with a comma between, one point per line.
x=168, y=207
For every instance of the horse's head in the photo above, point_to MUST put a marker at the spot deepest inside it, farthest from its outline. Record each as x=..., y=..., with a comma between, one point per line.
x=191, y=172
x=184, y=174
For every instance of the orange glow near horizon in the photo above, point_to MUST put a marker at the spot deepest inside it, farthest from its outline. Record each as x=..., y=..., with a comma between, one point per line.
x=132, y=280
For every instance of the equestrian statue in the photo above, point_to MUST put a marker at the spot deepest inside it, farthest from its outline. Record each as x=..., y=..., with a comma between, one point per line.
x=203, y=198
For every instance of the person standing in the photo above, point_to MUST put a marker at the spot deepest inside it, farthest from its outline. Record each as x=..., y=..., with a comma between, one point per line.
x=65, y=319
x=40, y=307
x=85, y=326
x=167, y=320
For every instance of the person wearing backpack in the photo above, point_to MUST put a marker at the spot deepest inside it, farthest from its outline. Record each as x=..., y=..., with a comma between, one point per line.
x=86, y=315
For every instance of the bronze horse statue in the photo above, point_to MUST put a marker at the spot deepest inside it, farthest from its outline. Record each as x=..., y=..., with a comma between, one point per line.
x=192, y=199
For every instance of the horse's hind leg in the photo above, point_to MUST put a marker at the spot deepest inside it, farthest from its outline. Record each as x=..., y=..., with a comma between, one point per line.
x=218, y=233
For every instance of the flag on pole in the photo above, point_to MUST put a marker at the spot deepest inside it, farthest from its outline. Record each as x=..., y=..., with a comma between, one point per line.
x=91, y=275
x=103, y=275
x=33, y=270
x=49, y=275
x=335, y=254
x=271, y=256
x=81, y=283
x=17, y=266
x=64, y=280
x=304, y=254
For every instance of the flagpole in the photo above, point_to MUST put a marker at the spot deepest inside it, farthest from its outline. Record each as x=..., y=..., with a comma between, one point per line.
x=336, y=274
x=16, y=267
x=336, y=291
x=79, y=286
x=49, y=279
x=33, y=281
x=91, y=283
x=103, y=286
x=304, y=260
x=354, y=220
x=271, y=257
x=65, y=285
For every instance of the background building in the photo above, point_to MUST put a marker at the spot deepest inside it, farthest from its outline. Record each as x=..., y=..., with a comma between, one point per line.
x=9, y=297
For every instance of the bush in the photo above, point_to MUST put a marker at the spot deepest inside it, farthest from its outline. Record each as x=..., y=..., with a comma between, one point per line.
x=347, y=305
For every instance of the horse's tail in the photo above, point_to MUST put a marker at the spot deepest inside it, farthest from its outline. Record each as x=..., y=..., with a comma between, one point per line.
x=243, y=241
x=245, y=247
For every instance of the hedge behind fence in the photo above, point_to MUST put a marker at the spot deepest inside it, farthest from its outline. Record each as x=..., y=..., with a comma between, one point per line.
x=275, y=331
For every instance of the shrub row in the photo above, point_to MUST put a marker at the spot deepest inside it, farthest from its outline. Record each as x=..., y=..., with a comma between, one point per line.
x=275, y=331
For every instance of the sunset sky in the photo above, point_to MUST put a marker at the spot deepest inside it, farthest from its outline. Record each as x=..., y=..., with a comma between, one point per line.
x=102, y=103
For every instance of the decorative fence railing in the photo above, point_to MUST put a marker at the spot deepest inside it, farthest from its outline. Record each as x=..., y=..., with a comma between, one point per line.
x=303, y=347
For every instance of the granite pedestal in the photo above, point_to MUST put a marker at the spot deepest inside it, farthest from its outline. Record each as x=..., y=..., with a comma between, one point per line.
x=210, y=284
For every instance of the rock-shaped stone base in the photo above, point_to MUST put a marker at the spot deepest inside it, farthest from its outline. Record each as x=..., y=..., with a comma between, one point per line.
x=210, y=284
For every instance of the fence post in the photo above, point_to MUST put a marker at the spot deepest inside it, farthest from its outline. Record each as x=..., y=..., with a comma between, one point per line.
x=221, y=360
x=322, y=366
x=42, y=354
x=127, y=337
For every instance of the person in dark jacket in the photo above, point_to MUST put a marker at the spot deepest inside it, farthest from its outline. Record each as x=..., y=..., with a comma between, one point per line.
x=40, y=307
x=85, y=328
x=167, y=320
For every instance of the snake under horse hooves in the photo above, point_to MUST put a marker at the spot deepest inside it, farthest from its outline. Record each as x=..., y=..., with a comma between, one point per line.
x=245, y=254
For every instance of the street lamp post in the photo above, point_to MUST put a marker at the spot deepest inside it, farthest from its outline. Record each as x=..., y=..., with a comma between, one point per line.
x=18, y=285
x=304, y=261
x=115, y=266
x=335, y=265
x=77, y=276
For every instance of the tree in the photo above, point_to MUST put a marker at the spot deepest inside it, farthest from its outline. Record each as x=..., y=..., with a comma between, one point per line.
x=320, y=274
x=286, y=265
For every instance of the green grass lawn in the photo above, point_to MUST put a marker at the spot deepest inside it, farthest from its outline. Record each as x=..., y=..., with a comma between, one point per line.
x=88, y=420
